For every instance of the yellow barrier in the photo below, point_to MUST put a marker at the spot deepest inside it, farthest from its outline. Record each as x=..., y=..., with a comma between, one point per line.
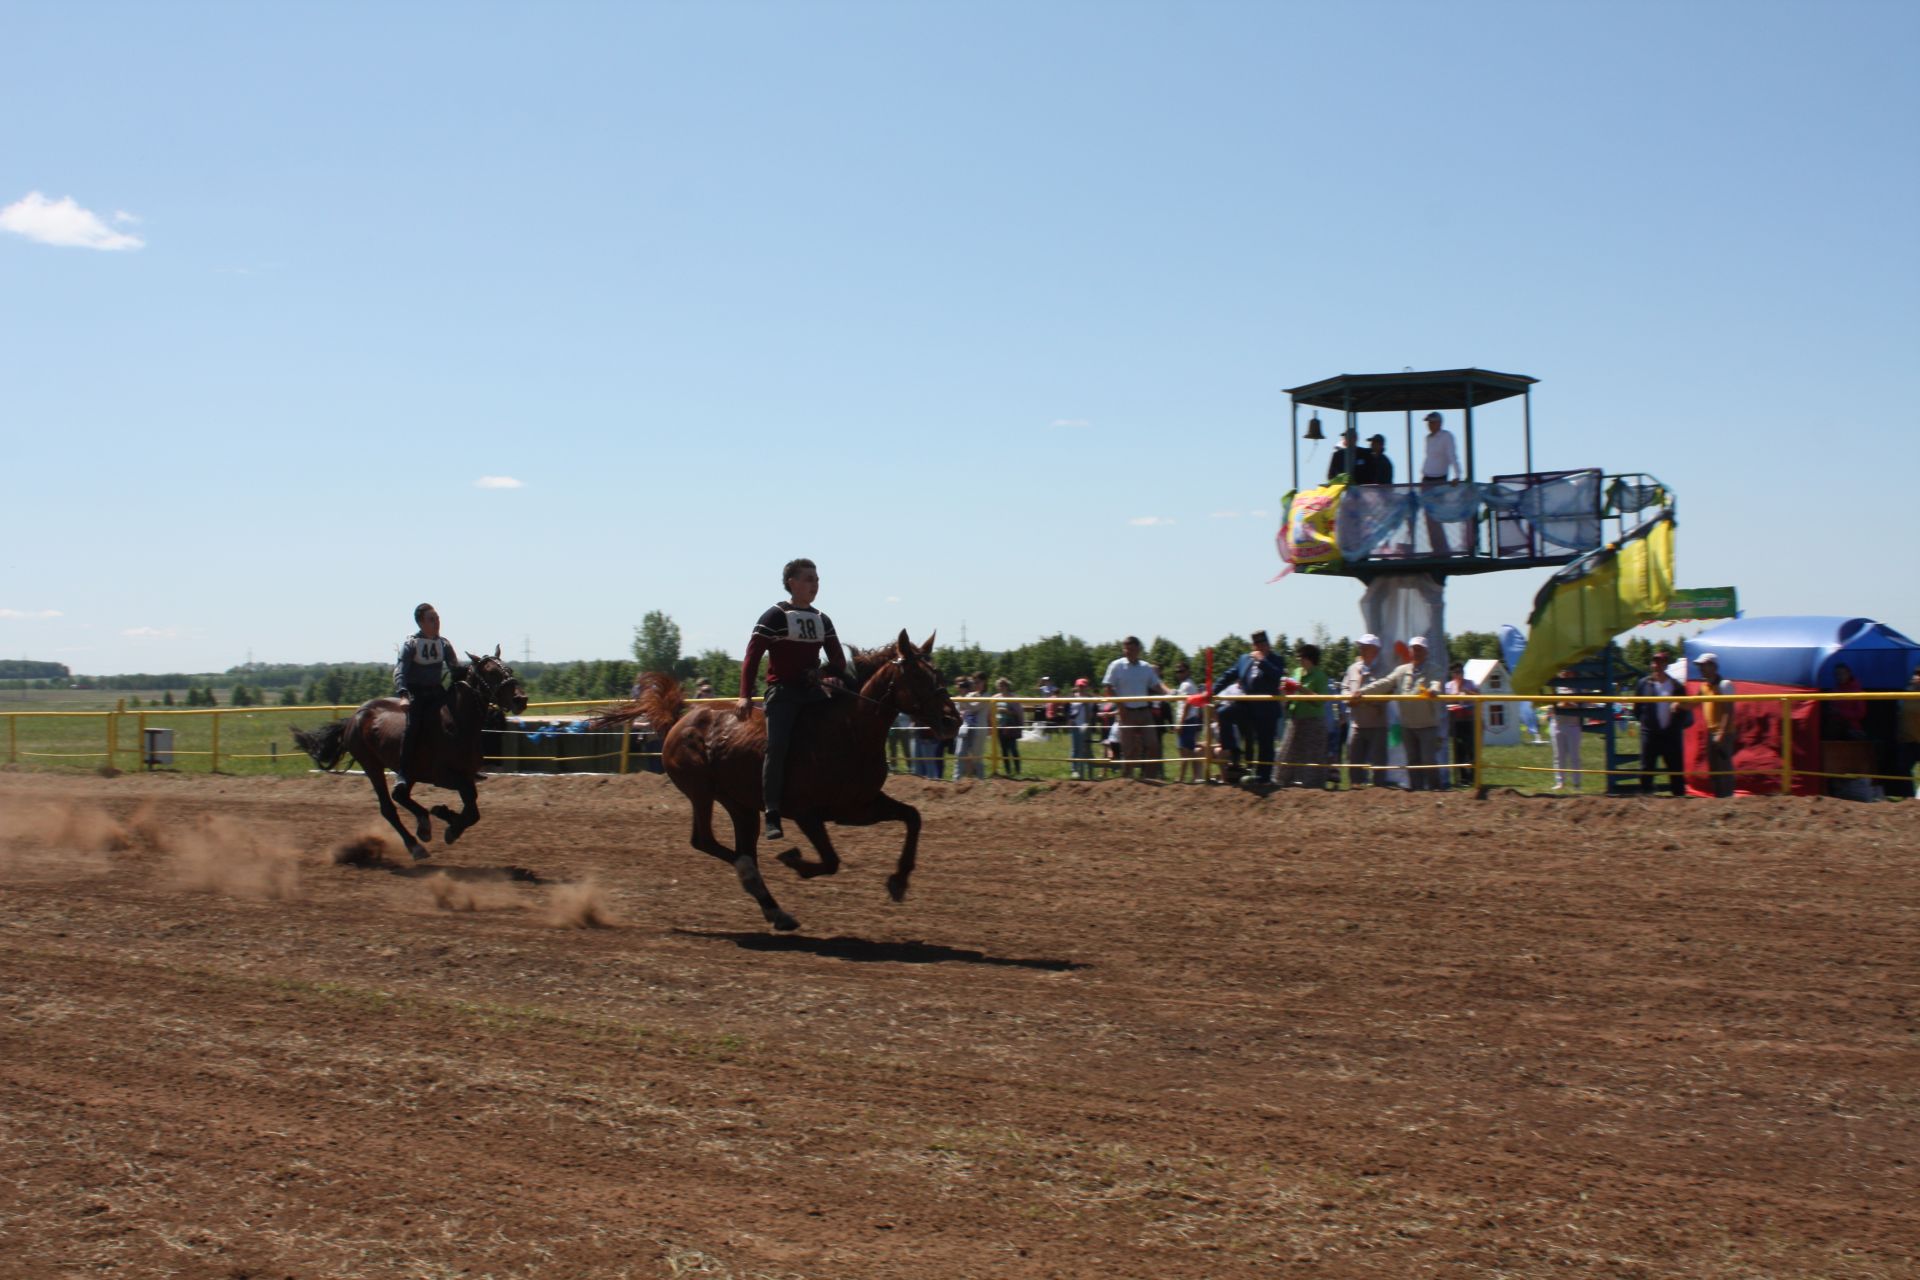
x=111, y=749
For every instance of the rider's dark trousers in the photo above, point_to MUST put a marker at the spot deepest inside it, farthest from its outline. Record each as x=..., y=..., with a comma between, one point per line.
x=423, y=717
x=783, y=707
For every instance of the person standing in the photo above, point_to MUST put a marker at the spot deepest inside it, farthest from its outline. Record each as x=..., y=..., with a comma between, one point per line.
x=1460, y=718
x=1908, y=736
x=1258, y=673
x=1367, y=734
x=1187, y=717
x=1346, y=459
x=1083, y=719
x=1129, y=681
x=1720, y=729
x=1303, y=753
x=1565, y=732
x=1419, y=715
x=1662, y=727
x=1375, y=466
x=1009, y=722
x=790, y=635
x=970, y=752
x=1439, y=465
x=425, y=657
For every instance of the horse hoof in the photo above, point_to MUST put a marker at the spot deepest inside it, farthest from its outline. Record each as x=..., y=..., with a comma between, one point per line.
x=897, y=888
x=785, y=923
x=451, y=834
x=419, y=853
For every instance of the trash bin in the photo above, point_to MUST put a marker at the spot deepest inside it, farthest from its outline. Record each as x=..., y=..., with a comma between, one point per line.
x=156, y=747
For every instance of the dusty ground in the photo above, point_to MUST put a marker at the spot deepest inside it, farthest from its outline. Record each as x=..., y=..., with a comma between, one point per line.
x=1116, y=1031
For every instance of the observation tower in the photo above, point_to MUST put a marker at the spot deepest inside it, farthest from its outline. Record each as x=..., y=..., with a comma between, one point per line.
x=1405, y=539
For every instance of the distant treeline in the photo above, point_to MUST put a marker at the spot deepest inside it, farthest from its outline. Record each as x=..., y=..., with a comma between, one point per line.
x=23, y=669
x=656, y=647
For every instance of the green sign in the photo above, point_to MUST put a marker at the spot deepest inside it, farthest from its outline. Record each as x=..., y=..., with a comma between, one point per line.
x=1691, y=604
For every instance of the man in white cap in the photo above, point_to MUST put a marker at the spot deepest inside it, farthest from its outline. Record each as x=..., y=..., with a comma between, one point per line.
x=1440, y=465
x=1719, y=717
x=1367, y=741
x=1419, y=717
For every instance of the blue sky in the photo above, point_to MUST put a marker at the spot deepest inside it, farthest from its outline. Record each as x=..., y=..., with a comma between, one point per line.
x=557, y=314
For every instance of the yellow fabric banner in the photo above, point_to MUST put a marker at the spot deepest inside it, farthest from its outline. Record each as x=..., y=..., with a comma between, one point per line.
x=1307, y=535
x=1585, y=605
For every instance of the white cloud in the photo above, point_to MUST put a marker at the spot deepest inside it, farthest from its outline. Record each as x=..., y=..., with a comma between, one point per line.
x=893, y=599
x=1147, y=520
x=64, y=223
x=32, y=615
x=1071, y=422
x=1256, y=513
x=122, y=217
x=151, y=633
x=498, y=482
x=1226, y=515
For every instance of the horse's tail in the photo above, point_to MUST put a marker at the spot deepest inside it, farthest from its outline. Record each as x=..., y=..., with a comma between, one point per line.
x=660, y=702
x=324, y=745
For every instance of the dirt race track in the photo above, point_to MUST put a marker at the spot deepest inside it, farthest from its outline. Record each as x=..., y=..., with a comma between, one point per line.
x=1115, y=1031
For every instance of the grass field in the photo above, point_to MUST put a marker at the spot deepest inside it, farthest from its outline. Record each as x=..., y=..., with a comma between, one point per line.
x=59, y=732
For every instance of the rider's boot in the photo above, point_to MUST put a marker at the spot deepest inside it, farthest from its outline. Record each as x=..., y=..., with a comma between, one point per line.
x=772, y=829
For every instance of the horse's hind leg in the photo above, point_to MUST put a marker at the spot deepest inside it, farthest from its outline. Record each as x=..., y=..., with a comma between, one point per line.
x=455, y=824
x=378, y=777
x=886, y=807
x=815, y=831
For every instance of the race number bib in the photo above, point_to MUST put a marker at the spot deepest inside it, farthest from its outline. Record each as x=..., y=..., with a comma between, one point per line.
x=805, y=625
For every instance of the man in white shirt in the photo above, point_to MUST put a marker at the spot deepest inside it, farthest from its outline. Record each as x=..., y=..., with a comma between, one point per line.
x=1440, y=465
x=1129, y=677
x=1367, y=739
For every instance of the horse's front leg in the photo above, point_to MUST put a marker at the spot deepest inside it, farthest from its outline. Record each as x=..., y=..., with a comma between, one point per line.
x=378, y=777
x=886, y=808
x=746, y=838
x=815, y=830
x=422, y=824
x=457, y=823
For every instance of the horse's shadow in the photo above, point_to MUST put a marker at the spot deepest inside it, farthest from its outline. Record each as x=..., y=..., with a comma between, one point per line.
x=366, y=856
x=867, y=951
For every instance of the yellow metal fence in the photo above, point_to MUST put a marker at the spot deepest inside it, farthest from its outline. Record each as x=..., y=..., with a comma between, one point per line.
x=117, y=738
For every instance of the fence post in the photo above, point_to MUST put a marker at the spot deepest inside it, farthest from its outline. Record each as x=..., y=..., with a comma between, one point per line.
x=1786, y=746
x=1479, y=744
x=626, y=747
x=12, y=724
x=993, y=738
x=1206, y=727
x=113, y=736
x=214, y=755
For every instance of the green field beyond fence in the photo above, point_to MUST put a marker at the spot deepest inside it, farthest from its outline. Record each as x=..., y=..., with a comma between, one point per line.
x=259, y=740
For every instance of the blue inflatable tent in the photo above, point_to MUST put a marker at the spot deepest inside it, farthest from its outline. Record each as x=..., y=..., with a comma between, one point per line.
x=1801, y=653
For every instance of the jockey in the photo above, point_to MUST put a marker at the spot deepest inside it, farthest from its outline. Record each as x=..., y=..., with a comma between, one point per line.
x=424, y=655
x=791, y=634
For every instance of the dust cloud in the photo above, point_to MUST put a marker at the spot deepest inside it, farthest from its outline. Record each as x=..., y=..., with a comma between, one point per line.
x=580, y=906
x=222, y=856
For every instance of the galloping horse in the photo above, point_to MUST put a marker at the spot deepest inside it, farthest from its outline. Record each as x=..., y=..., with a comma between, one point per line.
x=836, y=766
x=372, y=737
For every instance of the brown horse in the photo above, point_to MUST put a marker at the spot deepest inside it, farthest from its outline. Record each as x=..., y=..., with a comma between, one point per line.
x=372, y=736
x=836, y=764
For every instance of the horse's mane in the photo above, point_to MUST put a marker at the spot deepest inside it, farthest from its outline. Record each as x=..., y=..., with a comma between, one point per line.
x=867, y=661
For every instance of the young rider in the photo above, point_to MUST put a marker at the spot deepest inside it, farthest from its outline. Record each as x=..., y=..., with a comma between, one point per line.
x=424, y=656
x=791, y=634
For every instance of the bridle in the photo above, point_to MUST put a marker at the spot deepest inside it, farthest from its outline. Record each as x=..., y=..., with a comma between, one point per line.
x=479, y=681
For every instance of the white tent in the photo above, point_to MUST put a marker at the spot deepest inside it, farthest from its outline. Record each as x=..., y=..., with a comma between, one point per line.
x=1499, y=721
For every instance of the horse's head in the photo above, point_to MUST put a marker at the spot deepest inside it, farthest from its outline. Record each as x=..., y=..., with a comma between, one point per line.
x=918, y=689
x=496, y=681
